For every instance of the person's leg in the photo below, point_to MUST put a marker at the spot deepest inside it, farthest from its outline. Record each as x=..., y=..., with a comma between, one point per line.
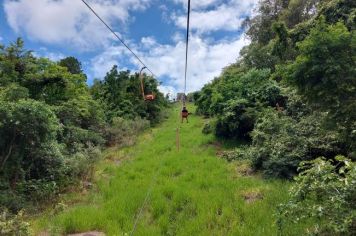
x=187, y=119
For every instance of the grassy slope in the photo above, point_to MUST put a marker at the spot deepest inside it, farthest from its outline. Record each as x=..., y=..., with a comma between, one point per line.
x=194, y=193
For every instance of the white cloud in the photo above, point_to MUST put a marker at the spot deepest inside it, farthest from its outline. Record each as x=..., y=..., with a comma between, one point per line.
x=1, y=39
x=228, y=16
x=102, y=63
x=199, y=4
x=44, y=52
x=69, y=22
x=166, y=89
x=55, y=56
x=206, y=60
x=148, y=41
x=165, y=13
x=177, y=37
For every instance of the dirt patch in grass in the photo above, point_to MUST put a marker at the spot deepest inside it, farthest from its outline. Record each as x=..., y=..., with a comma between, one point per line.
x=216, y=145
x=93, y=233
x=244, y=168
x=44, y=233
x=252, y=196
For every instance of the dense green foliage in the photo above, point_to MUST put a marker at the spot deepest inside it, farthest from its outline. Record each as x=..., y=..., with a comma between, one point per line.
x=13, y=224
x=72, y=64
x=52, y=125
x=280, y=142
x=120, y=94
x=326, y=192
x=293, y=94
x=239, y=98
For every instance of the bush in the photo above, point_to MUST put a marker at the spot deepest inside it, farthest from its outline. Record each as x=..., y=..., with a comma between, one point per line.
x=76, y=139
x=237, y=119
x=11, y=199
x=13, y=224
x=234, y=155
x=34, y=165
x=123, y=132
x=28, y=131
x=208, y=128
x=236, y=99
x=77, y=166
x=38, y=190
x=325, y=191
x=280, y=143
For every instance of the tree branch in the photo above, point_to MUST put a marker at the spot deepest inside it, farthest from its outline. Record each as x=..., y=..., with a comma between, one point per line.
x=9, y=151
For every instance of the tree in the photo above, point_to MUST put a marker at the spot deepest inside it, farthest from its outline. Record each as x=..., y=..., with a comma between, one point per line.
x=299, y=11
x=52, y=83
x=15, y=61
x=120, y=94
x=324, y=73
x=72, y=64
x=29, y=130
x=50, y=127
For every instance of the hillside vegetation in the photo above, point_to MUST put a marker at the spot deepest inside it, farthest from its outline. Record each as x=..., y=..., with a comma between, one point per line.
x=269, y=150
x=191, y=191
x=292, y=96
x=53, y=126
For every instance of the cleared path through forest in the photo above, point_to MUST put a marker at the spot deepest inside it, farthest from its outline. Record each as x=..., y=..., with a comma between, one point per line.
x=193, y=193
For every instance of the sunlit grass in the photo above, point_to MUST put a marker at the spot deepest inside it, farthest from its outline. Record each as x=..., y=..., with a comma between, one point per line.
x=194, y=192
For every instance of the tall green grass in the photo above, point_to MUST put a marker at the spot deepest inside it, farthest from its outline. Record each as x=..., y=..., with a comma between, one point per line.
x=193, y=192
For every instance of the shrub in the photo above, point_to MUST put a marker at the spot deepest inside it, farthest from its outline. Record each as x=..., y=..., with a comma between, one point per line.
x=28, y=131
x=234, y=155
x=34, y=165
x=325, y=192
x=280, y=143
x=77, y=166
x=123, y=132
x=236, y=99
x=76, y=138
x=38, y=190
x=11, y=199
x=237, y=119
x=13, y=224
x=208, y=128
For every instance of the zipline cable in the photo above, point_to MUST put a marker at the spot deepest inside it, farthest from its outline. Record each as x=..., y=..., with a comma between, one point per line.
x=153, y=181
x=138, y=216
x=186, y=52
x=117, y=36
x=147, y=197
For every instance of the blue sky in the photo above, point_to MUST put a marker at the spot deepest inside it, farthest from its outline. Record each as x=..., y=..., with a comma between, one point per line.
x=154, y=29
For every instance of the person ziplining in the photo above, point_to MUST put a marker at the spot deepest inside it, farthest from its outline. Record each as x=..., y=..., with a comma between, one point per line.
x=151, y=96
x=185, y=112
